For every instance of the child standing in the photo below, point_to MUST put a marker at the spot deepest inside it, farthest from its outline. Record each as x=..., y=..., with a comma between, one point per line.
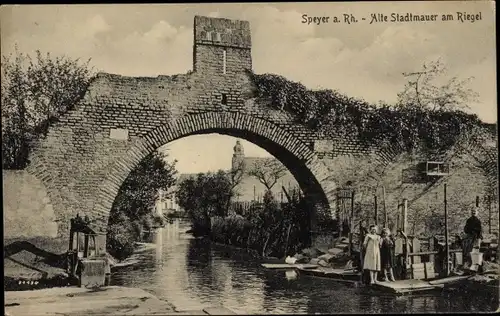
x=371, y=244
x=387, y=254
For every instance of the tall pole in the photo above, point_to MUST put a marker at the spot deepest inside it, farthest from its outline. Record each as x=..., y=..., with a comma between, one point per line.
x=489, y=214
x=385, y=209
x=339, y=214
x=406, y=245
x=405, y=215
x=376, y=210
x=351, y=222
x=254, y=192
x=447, y=265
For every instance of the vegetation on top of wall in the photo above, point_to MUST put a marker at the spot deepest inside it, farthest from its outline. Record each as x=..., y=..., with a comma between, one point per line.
x=425, y=114
x=36, y=91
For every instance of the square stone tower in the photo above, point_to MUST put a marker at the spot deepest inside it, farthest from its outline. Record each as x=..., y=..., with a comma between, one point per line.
x=221, y=46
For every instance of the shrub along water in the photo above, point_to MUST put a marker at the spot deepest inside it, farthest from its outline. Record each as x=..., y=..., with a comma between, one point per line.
x=271, y=229
x=132, y=211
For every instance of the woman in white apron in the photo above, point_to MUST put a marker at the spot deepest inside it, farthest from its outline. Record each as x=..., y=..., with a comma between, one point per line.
x=371, y=246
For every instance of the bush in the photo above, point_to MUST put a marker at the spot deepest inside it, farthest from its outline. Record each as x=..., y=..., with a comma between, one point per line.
x=269, y=229
x=121, y=239
x=158, y=221
x=132, y=210
x=204, y=196
x=229, y=230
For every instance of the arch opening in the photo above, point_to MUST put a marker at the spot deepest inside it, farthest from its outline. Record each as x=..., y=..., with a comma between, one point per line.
x=307, y=182
x=292, y=153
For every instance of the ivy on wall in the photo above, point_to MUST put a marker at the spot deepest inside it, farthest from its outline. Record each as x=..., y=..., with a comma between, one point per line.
x=333, y=113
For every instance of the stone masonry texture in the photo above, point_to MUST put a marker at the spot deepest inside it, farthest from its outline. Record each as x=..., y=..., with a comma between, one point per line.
x=82, y=168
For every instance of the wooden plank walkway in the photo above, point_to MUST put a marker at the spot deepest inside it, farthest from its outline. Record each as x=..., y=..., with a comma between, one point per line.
x=400, y=287
x=281, y=266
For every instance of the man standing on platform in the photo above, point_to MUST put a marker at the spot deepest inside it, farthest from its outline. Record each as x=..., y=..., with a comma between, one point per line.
x=473, y=233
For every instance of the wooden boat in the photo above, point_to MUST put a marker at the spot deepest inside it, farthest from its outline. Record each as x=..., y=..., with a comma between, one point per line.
x=286, y=266
x=330, y=273
x=401, y=287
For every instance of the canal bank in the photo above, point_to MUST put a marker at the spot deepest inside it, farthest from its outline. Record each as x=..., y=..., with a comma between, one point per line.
x=112, y=300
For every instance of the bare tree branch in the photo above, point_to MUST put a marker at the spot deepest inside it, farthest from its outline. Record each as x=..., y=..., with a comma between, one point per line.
x=423, y=90
x=268, y=171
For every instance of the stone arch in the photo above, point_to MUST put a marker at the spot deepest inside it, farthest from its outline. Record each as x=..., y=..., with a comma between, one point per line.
x=309, y=171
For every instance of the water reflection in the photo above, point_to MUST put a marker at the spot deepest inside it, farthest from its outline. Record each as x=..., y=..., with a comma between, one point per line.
x=158, y=241
x=193, y=274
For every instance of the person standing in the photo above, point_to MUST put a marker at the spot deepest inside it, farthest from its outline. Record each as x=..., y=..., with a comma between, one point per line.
x=387, y=254
x=473, y=231
x=371, y=245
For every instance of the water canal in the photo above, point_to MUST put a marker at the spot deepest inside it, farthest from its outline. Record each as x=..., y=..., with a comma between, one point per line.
x=193, y=274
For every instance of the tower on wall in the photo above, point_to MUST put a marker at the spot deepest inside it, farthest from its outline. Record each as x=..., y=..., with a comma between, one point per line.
x=221, y=46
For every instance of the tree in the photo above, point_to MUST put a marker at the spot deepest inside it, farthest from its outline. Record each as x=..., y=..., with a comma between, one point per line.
x=423, y=90
x=138, y=194
x=133, y=207
x=268, y=171
x=36, y=92
x=205, y=196
x=55, y=85
x=16, y=117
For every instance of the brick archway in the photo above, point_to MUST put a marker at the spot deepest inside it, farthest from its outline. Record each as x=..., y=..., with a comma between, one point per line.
x=90, y=151
x=309, y=171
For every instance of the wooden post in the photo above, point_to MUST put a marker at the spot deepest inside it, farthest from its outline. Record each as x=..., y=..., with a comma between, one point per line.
x=398, y=222
x=254, y=192
x=361, y=239
x=405, y=214
x=86, y=246
x=447, y=247
x=287, y=238
x=406, y=241
x=345, y=215
x=96, y=249
x=385, y=209
x=339, y=214
x=69, y=267
x=431, y=248
x=77, y=242
x=376, y=211
x=351, y=222
x=71, y=242
x=489, y=214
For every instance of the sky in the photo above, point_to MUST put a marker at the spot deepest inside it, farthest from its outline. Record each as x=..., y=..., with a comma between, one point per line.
x=361, y=60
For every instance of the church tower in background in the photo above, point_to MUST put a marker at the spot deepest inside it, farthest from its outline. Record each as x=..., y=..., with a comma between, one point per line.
x=238, y=155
